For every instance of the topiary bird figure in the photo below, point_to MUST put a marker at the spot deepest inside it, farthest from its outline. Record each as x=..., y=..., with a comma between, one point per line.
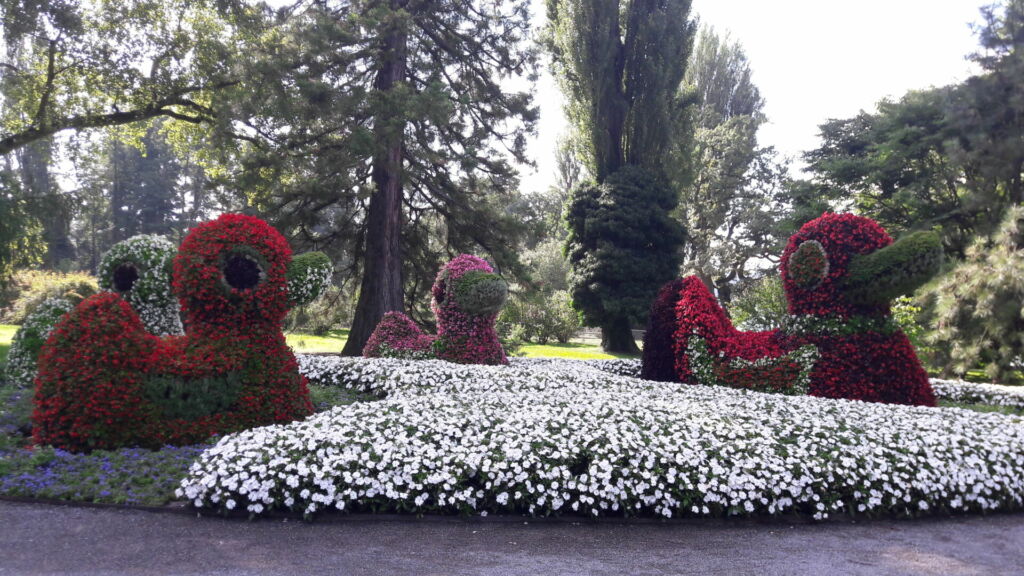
x=467, y=297
x=105, y=381
x=840, y=273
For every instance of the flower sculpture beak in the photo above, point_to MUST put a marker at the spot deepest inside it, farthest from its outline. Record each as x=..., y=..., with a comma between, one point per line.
x=898, y=269
x=480, y=293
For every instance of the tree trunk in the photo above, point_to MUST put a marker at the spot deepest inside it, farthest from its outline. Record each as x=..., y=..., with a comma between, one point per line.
x=381, y=287
x=120, y=216
x=613, y=109
x=617, y=337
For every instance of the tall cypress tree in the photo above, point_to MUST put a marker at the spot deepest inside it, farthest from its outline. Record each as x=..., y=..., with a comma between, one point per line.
x=620, y=64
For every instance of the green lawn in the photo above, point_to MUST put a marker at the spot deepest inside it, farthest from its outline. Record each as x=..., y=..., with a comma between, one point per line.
x=573, y=350
x=332, y=342
x=335, y=341
x=6, y=335
x=1016, y=378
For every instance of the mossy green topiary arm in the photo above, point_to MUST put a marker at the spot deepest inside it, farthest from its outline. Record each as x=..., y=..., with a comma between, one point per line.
x=895, y=270
x=481, y=293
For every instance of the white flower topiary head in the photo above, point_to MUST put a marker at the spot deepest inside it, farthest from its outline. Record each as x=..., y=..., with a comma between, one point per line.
x=139, y=269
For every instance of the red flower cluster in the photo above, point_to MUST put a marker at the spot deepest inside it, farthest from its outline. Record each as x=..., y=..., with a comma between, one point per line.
x=876, y=363
x=869, y=366
x=842, y=236
x=861, y=355
x=778, y=376
x=397, y=335
x=659, y=359
x=89, y=395
x=698, y=315
x=105, y=382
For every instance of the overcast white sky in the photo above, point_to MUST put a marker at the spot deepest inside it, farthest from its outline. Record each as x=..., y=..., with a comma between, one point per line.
x=814, y=60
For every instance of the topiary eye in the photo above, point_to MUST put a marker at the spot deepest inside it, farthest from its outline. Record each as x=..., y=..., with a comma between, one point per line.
x=243, y=270
x=808, y=265
x=125, y=277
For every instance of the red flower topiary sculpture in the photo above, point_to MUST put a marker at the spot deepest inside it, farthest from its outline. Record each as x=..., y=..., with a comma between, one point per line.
x=397, y=336
x=839, y=272
x=105, y=382
x=467, y=297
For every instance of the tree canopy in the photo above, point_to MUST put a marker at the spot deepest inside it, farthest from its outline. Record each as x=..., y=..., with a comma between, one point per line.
x=388, y=130
x=734, y=193
x=72, y=65
x=619, y=63
x=948, y=158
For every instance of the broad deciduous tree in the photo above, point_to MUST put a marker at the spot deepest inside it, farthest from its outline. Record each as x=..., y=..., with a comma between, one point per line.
x=733, y=192
x=72, y=65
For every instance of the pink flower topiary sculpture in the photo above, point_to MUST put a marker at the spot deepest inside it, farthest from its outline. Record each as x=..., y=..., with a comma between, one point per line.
x=467, y=297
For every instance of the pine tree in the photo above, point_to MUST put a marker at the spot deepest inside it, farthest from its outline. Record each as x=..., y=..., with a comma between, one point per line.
x=979, y=319
x=144, y=180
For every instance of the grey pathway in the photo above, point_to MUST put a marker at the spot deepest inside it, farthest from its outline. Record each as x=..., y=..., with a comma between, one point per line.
x=43, y=539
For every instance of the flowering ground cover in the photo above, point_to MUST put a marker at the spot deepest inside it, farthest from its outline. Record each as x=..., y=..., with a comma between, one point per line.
x=969, y=393
x=551, y=437
x=134, y=476
x=126, y=476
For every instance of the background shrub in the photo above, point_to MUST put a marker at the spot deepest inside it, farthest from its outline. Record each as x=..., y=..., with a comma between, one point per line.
x=332, y=310
x=541, y=317
x=760, y=306
x=30, y=288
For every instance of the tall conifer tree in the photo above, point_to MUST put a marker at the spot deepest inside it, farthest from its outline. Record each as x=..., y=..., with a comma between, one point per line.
x=377, y=124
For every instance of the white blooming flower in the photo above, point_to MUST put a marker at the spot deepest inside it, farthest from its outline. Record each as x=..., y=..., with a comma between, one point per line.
x=542, y=436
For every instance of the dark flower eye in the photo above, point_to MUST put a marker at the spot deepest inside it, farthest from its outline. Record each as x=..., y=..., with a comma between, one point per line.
x=125, y=276
x=242, y=271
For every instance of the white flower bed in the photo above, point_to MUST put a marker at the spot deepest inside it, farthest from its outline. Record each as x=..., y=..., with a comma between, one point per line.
x=542, y=437
x=971, y=393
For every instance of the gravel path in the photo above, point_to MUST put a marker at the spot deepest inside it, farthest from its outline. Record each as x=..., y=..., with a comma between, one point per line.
x=46, y=539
